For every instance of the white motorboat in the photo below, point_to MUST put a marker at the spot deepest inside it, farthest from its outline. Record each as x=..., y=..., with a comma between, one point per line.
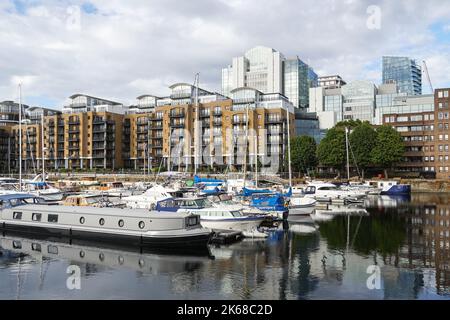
x=301, y=206
x=44, y=190
x=326, y=192
x=28, y=214
x=215, y=218
x=149, y=198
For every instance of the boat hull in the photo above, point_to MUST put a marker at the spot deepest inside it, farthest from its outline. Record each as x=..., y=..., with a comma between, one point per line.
x=232, y=224
x=195, y=239
x=301, y=211
x=400, y=189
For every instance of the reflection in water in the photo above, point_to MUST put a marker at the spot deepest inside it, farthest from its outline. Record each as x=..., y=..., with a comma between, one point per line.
x=320, y=257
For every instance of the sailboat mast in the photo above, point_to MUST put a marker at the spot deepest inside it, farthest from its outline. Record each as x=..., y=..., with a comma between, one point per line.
x=256, y=158
x=348, y=158
x=246, y=145
x=42, y=145
x=289, y=145
x=196, y=128
x=20, y=137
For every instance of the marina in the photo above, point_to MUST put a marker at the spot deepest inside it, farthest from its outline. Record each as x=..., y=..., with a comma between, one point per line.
x=303, y=258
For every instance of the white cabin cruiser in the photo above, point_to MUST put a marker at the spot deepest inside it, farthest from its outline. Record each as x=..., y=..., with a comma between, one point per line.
x=28, y=214
x=149, y=198
x=326, y=192
x=44, y=190
x=215, y=218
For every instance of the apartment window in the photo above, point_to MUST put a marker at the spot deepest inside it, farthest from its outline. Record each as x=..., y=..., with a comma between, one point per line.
x=432, y=159
x=427, y=159
x=441, y=148
x=402, y=119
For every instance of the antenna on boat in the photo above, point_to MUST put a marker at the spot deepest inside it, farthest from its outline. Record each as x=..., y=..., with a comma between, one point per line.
x=20, y=137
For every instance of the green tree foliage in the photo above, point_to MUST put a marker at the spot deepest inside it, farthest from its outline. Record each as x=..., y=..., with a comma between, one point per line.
x=362, y=139
x=331, y=150
x=389, y=148
x=303, y=153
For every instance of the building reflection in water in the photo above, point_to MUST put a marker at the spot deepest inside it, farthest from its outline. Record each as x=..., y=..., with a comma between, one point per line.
x=307, y=259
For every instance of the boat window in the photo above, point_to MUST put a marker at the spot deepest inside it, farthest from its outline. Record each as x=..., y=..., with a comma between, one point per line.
x=101, y=221
x=17, y=245
x=82, y=254
x=237, y=213
x=82, y=220
x=37, y=216
x=141, y=225
x=121, y=260
x=36, y=247
x=52, y=218
x=52, y=249
x=17, y=215
x=101, y=256
x=121, y=223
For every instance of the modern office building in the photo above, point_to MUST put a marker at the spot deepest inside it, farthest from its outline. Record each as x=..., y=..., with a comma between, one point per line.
x=365, y=101
x=405, y=72
x=298, y=77
x=268, y=71
x=260, y=68
x=426, y=135
x=331, y=82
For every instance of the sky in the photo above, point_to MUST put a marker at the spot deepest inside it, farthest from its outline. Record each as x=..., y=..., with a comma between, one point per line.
x=119, y=50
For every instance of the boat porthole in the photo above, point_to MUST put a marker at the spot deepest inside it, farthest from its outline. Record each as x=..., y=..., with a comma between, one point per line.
x=82, y=254
x=121, y=260
x=101, y=221
x=141, y=263
x=121, y=223
x=101, y=256
x=141, y=225
x=82, y=220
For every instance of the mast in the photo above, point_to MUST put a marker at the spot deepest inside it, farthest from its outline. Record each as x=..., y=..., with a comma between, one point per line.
x=246, y=145
x=43, y=148
x=348, y=160
x=196, y=123
x=256, y=158
x=20, y=137
x=289, y=145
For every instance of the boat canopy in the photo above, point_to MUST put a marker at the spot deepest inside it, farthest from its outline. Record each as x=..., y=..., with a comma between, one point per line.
x=249, y=192
x=197, y=179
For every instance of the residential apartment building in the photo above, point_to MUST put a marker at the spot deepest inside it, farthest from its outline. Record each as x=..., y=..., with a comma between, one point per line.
x=426, y=135
x=406, y=73
x=163, y=132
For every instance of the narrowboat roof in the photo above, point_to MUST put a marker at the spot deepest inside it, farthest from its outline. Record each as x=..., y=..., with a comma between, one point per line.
x=52, y=209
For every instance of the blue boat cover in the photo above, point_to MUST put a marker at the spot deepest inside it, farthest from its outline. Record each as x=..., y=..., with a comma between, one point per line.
x=197, y=179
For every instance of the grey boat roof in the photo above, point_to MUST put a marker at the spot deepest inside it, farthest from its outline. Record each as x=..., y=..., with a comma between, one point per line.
x=126, y=212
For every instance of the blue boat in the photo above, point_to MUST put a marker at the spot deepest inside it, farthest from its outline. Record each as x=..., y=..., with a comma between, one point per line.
x=270, y=202
x=197, y=180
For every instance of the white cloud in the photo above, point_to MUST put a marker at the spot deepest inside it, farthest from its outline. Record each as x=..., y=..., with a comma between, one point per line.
x=129, y=48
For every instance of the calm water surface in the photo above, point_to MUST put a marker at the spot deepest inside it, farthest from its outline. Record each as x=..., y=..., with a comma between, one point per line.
x=324, y=258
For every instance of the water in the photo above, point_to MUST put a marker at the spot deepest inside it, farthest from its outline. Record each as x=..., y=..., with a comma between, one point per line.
x=408, y=239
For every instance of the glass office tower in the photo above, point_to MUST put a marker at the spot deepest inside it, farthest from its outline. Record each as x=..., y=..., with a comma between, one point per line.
x=406, y=72
x=298, y=78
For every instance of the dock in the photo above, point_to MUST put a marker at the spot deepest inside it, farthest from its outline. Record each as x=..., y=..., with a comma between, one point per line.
x=226, y=237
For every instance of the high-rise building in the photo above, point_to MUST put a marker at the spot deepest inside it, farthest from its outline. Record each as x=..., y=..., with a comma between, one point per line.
x=261, y=68
x=267, y=71
x=298, y=78
x=405, y=72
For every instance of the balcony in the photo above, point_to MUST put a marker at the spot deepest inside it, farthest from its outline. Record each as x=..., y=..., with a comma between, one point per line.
x=74, y=122
x=74, y=130
x=177, y=114
x=274, y=120
x=177, y=124
x=218, y=112
x=99, y=129
x=98, y=121
x=239, y=120
x=205, y=114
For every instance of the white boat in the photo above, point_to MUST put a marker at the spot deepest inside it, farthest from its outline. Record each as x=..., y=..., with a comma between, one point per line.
x=149, y=198
x=301, y=206
x=326, y=192
x=28, y=214
x=215, y=218
x=44, y=190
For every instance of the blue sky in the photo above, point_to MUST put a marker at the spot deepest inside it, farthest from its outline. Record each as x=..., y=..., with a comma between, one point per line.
x=122, y=49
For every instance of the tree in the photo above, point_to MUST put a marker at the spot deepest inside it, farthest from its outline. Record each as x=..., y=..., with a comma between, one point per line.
x=362, y=142
x=303, y=153
x=331, y=150
x=389, y=148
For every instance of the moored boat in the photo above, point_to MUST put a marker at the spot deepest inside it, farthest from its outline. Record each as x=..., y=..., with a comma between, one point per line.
x=26, y=213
